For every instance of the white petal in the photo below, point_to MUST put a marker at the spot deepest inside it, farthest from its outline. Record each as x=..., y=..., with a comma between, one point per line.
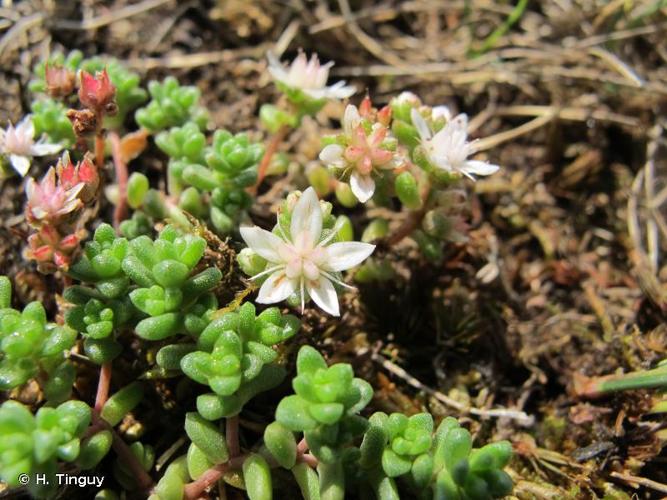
x=324, y=295
x=276, y=69
x=441, y=112
x=30, y=188
x=336, y=91
x=41, y=149
x=276, y=288
x=351, y=118
x=262, y=242
x=363, y=186
x=347, y=254
x=307, y=217
x=480, y=167
x=26, y=128
x=421, y=125
x=460, y=122
x=331, y=154
x=20, y=163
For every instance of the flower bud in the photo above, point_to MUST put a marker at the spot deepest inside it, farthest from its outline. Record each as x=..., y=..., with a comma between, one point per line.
x=408, y=191
x=318, y=177
x=345, y=195
x=376, y=230
x=59, y=81
x=97, y=92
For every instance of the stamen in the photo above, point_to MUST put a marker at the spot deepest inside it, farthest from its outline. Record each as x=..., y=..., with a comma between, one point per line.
x=267, y=271
x=337, y=281
x=303, y=297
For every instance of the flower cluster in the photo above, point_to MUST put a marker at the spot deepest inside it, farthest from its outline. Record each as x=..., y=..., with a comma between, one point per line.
x=363, y=150
x=53, y=208
x=371, y=142
x=304, y=83
x=108, y=97
x=302, y=259
x=307, y=79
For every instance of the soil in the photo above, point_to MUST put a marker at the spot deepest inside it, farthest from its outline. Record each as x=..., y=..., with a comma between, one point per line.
x=572, y=95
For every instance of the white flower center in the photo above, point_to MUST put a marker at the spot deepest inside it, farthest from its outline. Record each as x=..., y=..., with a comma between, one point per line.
x=302, y=258
x=308, y=74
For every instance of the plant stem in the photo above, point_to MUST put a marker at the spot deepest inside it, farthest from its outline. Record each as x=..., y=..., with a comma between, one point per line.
x=302, y=447
x=271, y=149
x=414, y=219
x=99, y=141
x=120, y=211
x=597, y=386
x=310, y=460
x=195, y=489
x=232, y=435
x=103, y=386
x=411, y=223
x=144, y=481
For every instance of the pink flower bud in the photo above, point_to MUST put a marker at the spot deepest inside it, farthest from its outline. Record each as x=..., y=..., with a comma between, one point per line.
x=97, y=92
x=59, y=81
x=85, y=172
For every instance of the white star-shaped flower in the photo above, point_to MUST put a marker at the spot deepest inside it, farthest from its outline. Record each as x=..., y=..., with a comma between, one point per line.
x=309, y=76
x=18, y=144
x=449, y=148
x=304, y=261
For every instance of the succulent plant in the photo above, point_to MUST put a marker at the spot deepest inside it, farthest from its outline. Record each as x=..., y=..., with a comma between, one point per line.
x=32, y=347
x=33, y=444
x=235, y=358
x=171, y=105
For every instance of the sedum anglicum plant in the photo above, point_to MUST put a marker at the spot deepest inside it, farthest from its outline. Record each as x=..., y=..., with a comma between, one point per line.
x=142, y=295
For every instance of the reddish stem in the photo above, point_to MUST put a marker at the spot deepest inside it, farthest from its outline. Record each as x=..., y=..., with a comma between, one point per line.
x=302, y=447
x=409, y=225
x=232, y=435
x=99, y=141
x=144, y=480
x=103, y=385
x=414, y=219
x=271, y=149
x=310, y=460
x=196, y=488
x=120, y=211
